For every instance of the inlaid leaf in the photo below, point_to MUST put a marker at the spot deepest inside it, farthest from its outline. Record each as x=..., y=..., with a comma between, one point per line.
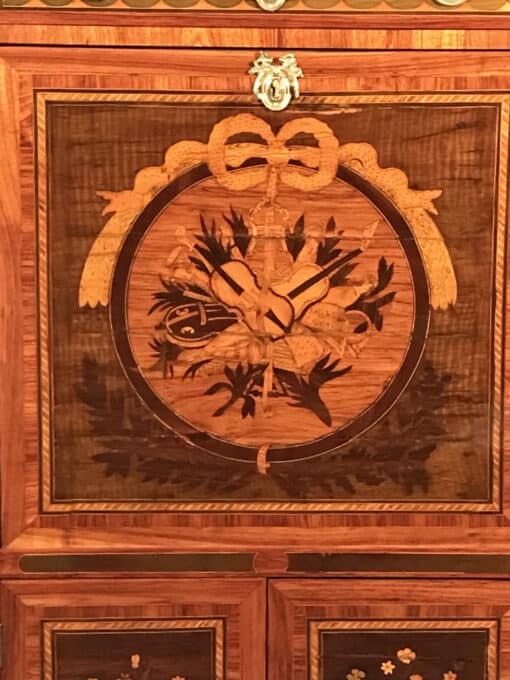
x=210, y=244
x=240, y=232
x=295, y=239
x=327, y=250
x=191, y=371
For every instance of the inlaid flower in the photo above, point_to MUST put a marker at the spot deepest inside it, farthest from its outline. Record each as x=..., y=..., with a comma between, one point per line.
x=406, y=655
x=416, y=676
x=388, y=667
x=450, y=676
x=356, y=674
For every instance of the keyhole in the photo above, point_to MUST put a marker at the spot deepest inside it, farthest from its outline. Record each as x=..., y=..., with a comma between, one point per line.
x=276, y=91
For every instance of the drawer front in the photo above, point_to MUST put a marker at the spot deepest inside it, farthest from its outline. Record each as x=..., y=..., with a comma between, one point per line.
x=222, y=315
x=136, y=629
x=395, y=629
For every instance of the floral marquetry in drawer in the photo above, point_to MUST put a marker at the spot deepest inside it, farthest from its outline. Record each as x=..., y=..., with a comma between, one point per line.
x=250, y=310
x=134, y=650
x=439, y=649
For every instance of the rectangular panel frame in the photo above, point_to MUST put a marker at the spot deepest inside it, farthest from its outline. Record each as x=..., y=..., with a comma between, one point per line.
x=45, y=376
x=50, y=628
x=25, y=529
x=317, y=627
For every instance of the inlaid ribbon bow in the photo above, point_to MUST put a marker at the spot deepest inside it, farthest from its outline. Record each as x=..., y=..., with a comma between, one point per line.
x=223, y=156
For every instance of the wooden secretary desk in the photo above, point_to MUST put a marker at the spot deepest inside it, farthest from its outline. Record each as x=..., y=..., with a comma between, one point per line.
x=253, y=279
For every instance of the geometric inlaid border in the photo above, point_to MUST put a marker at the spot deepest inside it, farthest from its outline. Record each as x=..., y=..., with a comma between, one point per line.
x=316, y=628
x=50, y=628
x=498, y=276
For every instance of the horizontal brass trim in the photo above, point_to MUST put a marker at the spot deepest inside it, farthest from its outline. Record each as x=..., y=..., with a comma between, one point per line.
x=139, y=562
x=243, y=562
x=410, y=562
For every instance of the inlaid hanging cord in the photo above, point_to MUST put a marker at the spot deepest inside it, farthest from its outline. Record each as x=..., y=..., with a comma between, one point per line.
x=267, y=279
x=262, y=464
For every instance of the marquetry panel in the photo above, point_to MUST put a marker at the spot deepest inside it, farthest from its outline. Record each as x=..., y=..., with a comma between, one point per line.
x=134, y=649
x=362, y=630
x=306, y=318
x=233, y=310
x=134, y=630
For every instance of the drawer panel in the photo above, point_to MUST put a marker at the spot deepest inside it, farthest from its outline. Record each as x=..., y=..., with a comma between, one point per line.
x=398, y=629
x=209, y=630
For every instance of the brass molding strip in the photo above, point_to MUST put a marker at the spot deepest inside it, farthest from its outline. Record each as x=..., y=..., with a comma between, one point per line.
x=410, y=562
x=139, y=562
x=244, y=562
x=417, y=7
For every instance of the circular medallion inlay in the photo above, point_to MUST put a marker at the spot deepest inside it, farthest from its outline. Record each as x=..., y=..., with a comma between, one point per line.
x=269, y=318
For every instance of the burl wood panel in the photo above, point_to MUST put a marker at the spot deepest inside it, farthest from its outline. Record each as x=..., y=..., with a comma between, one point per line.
x=140, y=629
x=401, y=629
x=459, y=132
